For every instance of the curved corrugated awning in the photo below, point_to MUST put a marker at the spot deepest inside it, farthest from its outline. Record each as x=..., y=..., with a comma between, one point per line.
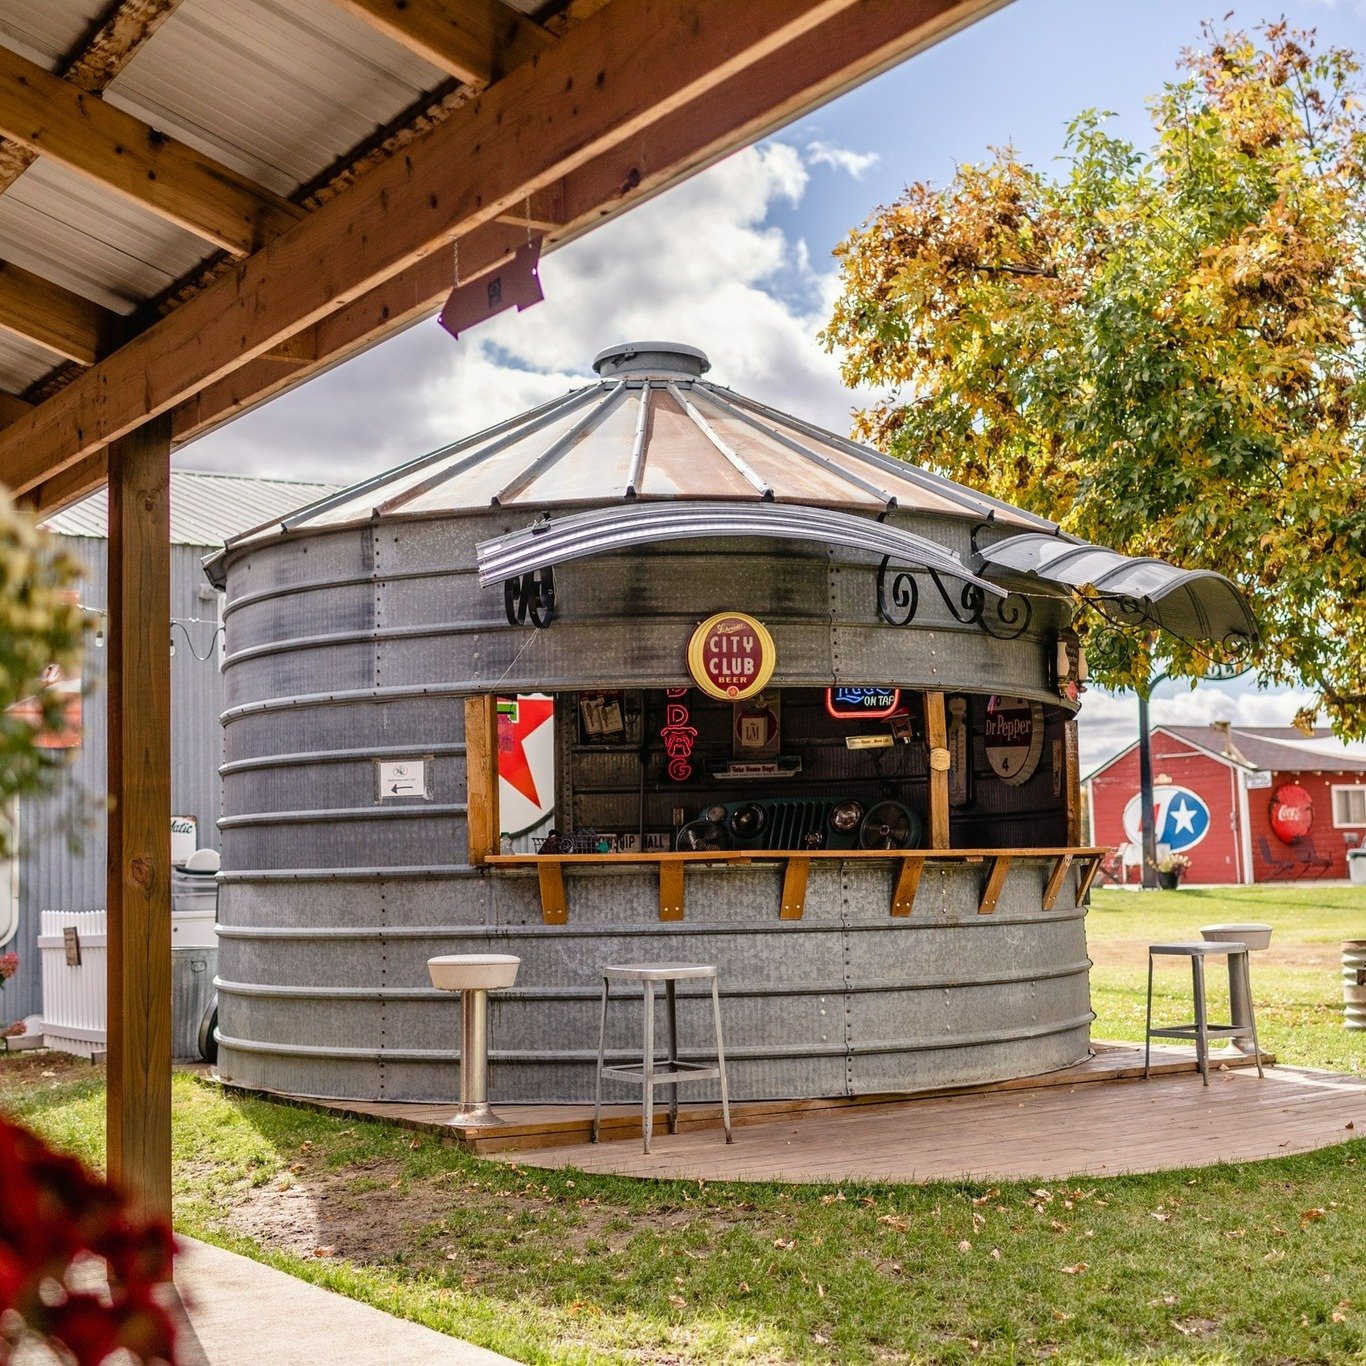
x=1194, y=604
x=606, y=530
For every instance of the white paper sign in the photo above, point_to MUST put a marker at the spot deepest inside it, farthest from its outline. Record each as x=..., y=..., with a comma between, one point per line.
x=397, y=778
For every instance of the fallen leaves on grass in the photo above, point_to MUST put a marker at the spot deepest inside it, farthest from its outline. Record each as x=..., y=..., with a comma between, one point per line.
x=1194, y=1328
x=1076, y=1269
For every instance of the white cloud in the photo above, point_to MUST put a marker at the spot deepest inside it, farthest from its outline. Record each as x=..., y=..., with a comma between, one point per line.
x=701, y=264
x=856, y=164
x=1108, y=722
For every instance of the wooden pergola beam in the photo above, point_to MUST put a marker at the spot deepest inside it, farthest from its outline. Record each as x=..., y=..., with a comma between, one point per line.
x=815, y=67
x=476, y=41
x=78, y=481
x=111, y=45
x=601, y=85
x=54, y=318
x=12, y=408
x=54, y=118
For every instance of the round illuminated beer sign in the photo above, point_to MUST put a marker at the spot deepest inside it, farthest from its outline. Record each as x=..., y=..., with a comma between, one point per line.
x=731, y=656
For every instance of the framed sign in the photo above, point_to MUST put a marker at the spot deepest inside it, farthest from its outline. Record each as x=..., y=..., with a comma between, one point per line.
x=731, y=656
x=960, y=753
x=862, y=704
x=756, y=726
x=1014, y=736
x=397, y=778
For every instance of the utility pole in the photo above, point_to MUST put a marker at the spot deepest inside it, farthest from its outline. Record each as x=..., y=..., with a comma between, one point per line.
x=1148, y=837
x=1218, y=673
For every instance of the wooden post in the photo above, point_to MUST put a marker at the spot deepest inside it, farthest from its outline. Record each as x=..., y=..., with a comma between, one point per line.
x=138, y=1103
x=937, y=738
x=1071, y=778
x=481, y=776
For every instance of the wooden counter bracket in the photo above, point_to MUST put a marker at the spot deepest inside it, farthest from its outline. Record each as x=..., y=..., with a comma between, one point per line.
x=910, y=868
x=996, y=879
x=907, y=884
x=1055, y=881
x=794, y=888
x=671, y=891
x=554, y=906
x=1088, y=877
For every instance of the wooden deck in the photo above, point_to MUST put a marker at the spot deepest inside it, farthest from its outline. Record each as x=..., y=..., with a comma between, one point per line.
x=528, y=1127
x=1098, y=1118
x=1045, y=1133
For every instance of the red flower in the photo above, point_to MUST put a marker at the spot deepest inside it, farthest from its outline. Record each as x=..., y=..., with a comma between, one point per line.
x=54, y=1217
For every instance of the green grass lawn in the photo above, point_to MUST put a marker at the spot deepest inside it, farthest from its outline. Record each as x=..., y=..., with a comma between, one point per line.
x=1254, y=1263
x=1296, y=984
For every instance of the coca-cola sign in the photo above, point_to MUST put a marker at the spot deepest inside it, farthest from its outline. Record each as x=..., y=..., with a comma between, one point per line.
x=1014, y=738
x=1292, y=813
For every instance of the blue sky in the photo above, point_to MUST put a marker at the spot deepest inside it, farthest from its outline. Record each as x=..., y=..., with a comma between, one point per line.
x=737, y=261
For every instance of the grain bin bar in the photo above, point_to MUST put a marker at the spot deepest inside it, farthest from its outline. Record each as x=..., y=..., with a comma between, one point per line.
x=819, y=737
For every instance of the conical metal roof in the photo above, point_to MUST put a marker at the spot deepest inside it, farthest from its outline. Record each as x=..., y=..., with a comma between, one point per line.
x=677, y=456
x=651, y=428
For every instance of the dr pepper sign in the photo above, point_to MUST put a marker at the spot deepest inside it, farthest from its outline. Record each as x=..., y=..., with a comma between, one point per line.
x=731, y=656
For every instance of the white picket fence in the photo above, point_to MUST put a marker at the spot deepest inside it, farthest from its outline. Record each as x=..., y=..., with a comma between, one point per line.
x=74, y=997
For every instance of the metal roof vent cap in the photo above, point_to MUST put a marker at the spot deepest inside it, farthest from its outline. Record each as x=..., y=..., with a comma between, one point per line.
x=670, y=359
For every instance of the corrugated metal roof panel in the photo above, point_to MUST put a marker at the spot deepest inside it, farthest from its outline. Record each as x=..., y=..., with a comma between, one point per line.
x=698, y=441
x=22, y=363
x=88, y=239
x=276, y=89
x=206, y=509
x=44, y=31
x=1272, y=747
x=1193, y=604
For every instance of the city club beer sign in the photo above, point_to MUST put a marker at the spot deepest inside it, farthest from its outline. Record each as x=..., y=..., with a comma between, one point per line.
x=731, y=656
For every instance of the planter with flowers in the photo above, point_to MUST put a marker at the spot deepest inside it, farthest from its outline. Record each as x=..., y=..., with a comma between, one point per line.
x=1169, y=869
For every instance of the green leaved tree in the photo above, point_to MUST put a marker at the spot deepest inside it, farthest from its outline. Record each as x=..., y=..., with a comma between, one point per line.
x=1161, y=349
x=40, y=637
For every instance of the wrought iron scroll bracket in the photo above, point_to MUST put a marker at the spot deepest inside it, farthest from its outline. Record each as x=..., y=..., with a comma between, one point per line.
x=898, y=601
x=532, y=595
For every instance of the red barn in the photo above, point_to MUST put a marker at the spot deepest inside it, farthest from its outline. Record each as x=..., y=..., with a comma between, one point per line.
x=1243, y=803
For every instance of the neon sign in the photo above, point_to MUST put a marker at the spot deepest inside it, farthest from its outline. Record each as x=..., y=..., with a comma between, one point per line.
x=678, y=734
x=861, y=704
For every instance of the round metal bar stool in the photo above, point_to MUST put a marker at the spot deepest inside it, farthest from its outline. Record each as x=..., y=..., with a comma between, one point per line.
x=649, y=1073
x=1201, y=1031
x=474, y=975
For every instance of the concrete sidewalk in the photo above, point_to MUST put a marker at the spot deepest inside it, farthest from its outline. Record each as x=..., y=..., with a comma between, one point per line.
x=241, y=1313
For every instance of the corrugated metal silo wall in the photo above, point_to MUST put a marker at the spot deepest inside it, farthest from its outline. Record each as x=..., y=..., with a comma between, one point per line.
x=62, y=846
x=352, y=645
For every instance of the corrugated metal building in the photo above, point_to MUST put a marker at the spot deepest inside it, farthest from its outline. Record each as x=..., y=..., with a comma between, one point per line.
x=61, y=835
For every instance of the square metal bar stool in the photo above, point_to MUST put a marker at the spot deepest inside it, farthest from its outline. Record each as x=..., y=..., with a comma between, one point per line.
x=1201, y=1030
x=649, y=1073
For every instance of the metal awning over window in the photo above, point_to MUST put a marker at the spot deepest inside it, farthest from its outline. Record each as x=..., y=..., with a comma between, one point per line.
x=1194, y=604
x=607, y=530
